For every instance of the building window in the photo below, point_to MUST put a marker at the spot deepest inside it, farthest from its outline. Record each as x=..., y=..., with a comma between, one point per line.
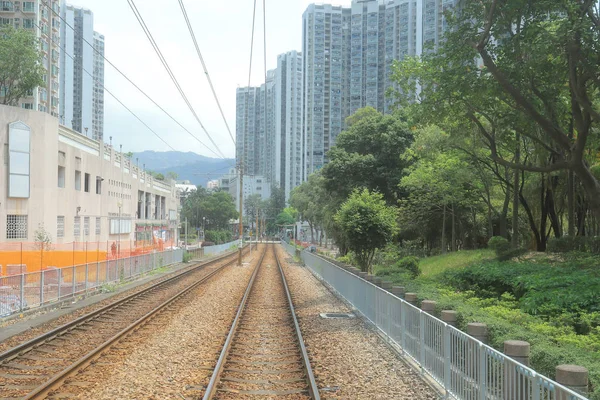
x=78, y=180
x=98, y=226
x=86, y=226
x=87, y=183
x=98, y=185
x=19, y=136
x=61, y=177
x=16, y=226
x=77, y=227
x=60, y=227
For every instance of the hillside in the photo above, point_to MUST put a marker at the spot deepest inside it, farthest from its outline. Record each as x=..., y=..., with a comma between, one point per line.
x=188, y=166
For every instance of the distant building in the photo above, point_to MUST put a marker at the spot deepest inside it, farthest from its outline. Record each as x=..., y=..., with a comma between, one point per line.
x=42, y=18
x=213, y=185
x=82, y=74
x=348, y=54
x=289, y=144
x=185, y=189
x=256, y=184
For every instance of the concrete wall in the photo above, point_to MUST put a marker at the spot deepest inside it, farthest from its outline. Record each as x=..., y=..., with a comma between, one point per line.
x=53, y=146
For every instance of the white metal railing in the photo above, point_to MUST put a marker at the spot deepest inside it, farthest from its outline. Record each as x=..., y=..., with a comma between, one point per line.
x=221, y=248
x=34, y=289
x=466, y=368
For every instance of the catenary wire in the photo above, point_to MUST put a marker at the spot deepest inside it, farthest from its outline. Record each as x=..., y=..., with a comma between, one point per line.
x=169, y=71
x=109, y=92
x=129, y=80
x=187, y=21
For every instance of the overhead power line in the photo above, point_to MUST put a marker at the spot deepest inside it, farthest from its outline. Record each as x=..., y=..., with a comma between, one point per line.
x=109, y=92
x=169, y=71
x=128, y=79
x=189, y=25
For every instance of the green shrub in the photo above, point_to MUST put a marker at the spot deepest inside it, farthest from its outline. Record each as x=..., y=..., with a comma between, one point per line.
x=187, y=257
x=218, y=236
x=567, y=244
x=499, y=244
x=510, y=254
x=410, y=264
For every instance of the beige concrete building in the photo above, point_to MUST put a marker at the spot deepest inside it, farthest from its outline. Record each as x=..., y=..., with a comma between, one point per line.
x=41, y=17
x=78, y=189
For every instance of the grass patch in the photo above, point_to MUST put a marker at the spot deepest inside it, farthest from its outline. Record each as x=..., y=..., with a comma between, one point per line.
x=432, y=266
x=549, y=300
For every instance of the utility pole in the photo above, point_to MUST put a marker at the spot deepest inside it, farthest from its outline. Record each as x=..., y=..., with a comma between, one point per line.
x=186, y=232
x=241, y=226
x=257, y=211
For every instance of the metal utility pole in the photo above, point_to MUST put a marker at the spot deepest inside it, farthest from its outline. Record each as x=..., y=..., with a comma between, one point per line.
x=241, y=227
x=257, y=211
x=186, y=232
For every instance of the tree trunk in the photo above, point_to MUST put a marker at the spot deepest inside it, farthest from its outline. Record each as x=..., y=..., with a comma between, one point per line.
x=571, y=202
x=504, y=216
x=515, y=210
x=541, y=245
x=312, y=233
x=453, y=247
x=591, y=186
x=444, y=231
x=551, y=207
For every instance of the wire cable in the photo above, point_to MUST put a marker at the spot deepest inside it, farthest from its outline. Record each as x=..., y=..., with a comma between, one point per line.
x=189, y=25
x=169, y=71
x=109, y=92
x=128, y=79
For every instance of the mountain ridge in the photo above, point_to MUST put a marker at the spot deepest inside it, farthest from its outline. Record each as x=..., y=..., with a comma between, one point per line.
x=190, y=166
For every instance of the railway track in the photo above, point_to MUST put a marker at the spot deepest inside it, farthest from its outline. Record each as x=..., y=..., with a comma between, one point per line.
x=41, y=365
x=264, y=353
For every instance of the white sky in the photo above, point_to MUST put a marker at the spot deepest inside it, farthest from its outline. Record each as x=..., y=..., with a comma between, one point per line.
x=222, y=29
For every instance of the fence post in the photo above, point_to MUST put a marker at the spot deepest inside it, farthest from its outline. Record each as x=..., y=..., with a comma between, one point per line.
x=482, y=371
x=86, y=276
x=74, y=282
x=22, y=289
x=97, y=273
x=422, y=340
x=41, y=287
x=448, y=361
x=403, y=325
x=59, y=282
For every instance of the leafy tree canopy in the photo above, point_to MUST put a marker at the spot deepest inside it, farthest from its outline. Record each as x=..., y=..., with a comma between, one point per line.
x=367, y=223
x=21, y=68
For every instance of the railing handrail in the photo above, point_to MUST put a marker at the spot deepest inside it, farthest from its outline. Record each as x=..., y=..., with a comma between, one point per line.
x=543, y=380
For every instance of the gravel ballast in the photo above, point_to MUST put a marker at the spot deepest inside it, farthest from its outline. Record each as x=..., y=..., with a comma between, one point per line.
x=350, y=360
x=172, y=357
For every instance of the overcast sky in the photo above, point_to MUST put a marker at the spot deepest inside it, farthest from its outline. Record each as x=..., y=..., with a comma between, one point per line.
x=223, y=32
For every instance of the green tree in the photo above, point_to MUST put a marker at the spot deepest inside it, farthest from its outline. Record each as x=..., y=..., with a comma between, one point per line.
x=211, y=210
x=276, y=204
x=172, y=175
x=523, y=75
x=21, y=68
x=367, y=223
x=367, y=155
x=285, y=218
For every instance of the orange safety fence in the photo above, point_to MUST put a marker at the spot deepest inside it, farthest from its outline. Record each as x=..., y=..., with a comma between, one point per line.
x=22, y=257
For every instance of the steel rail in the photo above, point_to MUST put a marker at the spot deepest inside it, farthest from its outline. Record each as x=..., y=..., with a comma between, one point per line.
x=56, y=381
x=23, y=348
x=313, y=389
x=211, y=388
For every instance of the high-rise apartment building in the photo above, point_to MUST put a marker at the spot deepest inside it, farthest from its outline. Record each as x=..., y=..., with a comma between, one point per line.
x=327, y=72
x=255, y=128
x=40, y=17
x=98, y=95
x=289, y=145
x=81, y=76
x=348, y=57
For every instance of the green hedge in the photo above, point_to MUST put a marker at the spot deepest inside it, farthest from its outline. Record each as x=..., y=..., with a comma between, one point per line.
x=218, y=237
x=566, y=244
